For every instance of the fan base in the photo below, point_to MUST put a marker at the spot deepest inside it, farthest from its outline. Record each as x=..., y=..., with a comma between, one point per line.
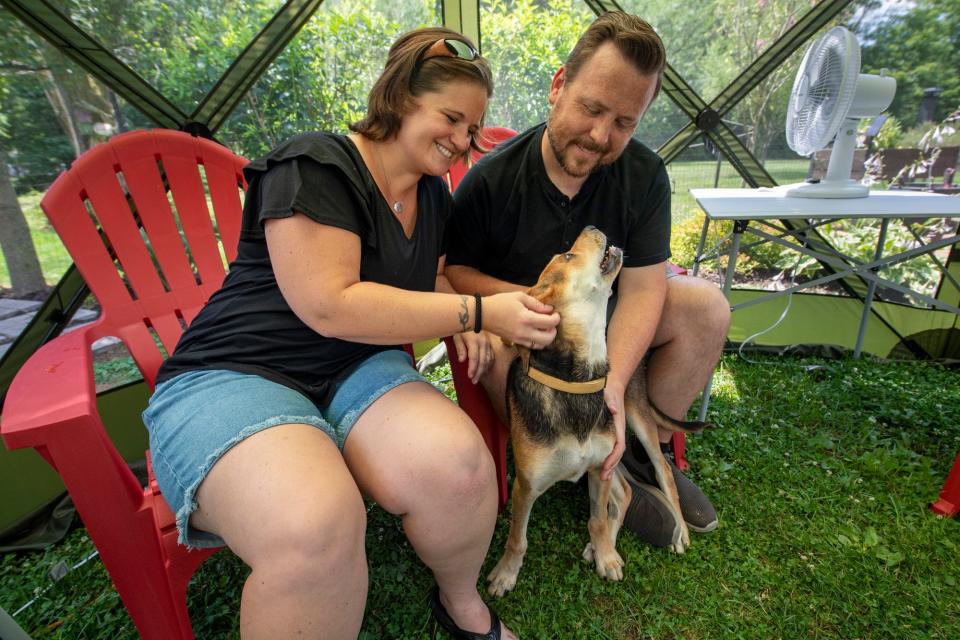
x=827, y=189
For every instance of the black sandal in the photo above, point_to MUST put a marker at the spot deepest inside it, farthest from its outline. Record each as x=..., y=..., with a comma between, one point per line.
x=442, y=618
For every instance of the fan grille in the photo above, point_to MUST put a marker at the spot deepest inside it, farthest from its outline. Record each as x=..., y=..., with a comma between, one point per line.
x=823, y=91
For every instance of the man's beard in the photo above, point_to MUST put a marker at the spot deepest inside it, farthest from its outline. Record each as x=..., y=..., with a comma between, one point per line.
x=560, y=152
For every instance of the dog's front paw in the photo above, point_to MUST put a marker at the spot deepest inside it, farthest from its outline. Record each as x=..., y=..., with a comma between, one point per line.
x=683, y=540
x=503, y=578
x=588, y=553
x=609, y=565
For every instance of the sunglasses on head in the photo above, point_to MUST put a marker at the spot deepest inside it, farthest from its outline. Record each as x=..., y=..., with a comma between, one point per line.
x=449, y=48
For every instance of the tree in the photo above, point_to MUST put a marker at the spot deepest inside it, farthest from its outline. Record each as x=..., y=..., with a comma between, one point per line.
x=19, y=253
x=920, y=47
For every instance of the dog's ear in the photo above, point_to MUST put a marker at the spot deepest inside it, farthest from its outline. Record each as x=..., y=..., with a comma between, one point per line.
x=543, y=291
x=524, y=353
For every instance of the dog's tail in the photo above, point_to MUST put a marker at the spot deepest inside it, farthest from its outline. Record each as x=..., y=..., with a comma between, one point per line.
x=636, y=394
x=666, y=422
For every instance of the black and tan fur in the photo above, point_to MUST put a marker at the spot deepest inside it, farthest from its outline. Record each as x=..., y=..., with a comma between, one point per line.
x=557, y=435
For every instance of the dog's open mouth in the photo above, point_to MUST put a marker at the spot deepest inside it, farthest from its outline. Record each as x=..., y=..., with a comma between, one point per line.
x=611, y=259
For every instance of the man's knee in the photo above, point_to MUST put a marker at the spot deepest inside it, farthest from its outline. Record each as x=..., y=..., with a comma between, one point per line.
x=697, y=308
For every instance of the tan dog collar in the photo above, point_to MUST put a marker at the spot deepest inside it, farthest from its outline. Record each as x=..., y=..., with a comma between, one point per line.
x=581, y=388
x=591, y=386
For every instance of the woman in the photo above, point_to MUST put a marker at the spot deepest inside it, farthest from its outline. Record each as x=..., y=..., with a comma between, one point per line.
x=287, y=399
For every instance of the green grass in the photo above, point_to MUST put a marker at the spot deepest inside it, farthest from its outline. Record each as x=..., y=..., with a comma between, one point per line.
x=821, y=472
x=53, y=257
x=701, y=175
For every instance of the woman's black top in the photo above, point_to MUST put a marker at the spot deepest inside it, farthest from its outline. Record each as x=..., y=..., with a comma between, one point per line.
x=247, y=325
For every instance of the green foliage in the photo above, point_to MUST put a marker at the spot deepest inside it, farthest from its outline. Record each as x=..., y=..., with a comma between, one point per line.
x=821, y=472
x=915, y=136
x=28, y=125
x=920, y=46
x=526, y=42
x=321, y=79
x=890, y=136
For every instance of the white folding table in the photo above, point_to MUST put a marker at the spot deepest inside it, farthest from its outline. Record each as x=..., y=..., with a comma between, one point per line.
x=765, y=207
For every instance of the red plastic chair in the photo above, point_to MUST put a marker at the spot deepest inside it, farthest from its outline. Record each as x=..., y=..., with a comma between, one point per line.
x=148, y=286
x=473, y=398
x=949, y=502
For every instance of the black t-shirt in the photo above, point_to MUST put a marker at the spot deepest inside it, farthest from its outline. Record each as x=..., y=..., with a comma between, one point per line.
x=247, y=325
x=509, y=219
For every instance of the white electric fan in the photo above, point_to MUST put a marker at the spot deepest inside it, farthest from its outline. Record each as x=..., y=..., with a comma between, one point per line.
x=829, y=97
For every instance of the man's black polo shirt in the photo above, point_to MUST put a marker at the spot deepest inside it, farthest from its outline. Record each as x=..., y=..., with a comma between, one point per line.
x=509, y=219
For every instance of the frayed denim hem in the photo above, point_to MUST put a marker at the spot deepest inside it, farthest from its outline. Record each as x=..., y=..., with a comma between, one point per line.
x=345, y=425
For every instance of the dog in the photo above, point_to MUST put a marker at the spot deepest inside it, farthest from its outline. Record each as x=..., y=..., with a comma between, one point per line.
x=560, y=425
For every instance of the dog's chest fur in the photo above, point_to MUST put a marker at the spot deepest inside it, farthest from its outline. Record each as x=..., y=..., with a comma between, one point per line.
x=546, y=414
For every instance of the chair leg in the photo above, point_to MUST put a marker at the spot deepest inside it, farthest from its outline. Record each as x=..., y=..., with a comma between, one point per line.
x=155, y=597
x=949, y=503
x=680, y=450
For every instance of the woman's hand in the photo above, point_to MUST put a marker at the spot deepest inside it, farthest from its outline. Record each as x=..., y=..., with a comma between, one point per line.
x=613, y=396
x=476, y=348
x=520, y=318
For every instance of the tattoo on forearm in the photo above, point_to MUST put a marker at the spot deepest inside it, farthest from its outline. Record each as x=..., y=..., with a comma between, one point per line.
x=464, y=314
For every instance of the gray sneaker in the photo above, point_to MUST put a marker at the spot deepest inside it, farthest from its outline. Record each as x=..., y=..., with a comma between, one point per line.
x=697, y=510
x=649, y=515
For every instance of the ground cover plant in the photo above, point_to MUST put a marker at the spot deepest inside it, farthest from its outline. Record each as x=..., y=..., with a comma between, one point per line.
x=821, y=471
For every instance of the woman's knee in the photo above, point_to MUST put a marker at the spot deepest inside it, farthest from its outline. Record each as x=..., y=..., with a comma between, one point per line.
x=456, y=469
x=312, y=538
x=468, y=469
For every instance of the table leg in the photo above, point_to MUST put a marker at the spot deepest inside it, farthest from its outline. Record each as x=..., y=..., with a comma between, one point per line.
x=739, y=226
x=700, y=245
x=871, y=289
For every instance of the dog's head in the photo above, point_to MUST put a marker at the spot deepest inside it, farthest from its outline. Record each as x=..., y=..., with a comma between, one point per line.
x=577, y=284
x=585, y=273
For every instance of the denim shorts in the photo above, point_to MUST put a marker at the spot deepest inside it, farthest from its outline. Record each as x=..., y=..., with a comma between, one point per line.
x=196, y=417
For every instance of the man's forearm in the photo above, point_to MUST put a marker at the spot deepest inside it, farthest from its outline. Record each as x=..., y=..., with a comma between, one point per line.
x=634, y=324
x=469, y=280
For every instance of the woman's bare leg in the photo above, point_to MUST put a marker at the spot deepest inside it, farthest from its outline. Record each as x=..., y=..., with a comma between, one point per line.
x=285, y=503
x=420, y=457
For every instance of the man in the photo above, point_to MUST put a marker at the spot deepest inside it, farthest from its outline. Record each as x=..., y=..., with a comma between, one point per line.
x=528, y=200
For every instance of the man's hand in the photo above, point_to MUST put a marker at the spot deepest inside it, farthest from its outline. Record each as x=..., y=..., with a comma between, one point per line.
x=613, y=396
x=476, y=348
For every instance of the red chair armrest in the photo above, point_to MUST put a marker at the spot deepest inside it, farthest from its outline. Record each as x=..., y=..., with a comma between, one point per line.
x=51, y=405
x=55, y=386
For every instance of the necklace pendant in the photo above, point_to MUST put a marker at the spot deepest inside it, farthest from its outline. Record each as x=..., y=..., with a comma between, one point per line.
x=397, y=207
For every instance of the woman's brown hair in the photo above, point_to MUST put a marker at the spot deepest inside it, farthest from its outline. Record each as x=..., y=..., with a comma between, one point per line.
x=407, y=75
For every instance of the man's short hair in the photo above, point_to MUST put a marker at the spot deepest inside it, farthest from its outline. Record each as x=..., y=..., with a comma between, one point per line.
x=407, y=75
x=634, y=38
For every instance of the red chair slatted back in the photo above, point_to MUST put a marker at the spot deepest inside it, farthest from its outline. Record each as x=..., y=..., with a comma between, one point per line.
x=152, y=270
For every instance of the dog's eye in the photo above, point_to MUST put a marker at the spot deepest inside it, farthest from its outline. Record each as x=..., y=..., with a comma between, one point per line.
x=568, y=256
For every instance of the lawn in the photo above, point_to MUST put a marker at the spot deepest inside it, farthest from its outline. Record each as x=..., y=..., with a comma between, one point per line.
x=821, y=472
x=53, y=257
x=702, y=175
